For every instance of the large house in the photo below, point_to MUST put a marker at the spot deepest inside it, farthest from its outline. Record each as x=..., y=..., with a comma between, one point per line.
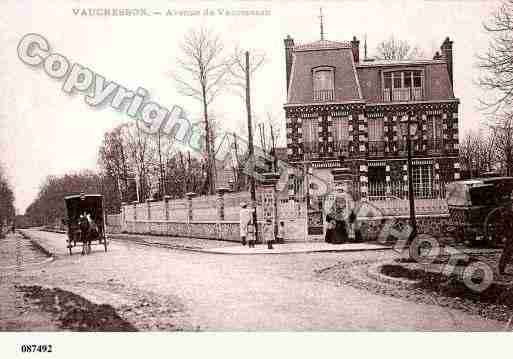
x=345, y=111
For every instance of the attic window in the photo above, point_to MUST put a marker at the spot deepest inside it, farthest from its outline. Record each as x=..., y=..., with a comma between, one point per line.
x=323, y=84
x=406, y=85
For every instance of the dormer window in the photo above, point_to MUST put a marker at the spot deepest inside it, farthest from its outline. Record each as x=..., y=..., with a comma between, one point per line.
x=405, y=85
x=323, y=84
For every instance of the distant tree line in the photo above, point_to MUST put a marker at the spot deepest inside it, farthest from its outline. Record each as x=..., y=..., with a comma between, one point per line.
x=7, y=211
x=48, y=208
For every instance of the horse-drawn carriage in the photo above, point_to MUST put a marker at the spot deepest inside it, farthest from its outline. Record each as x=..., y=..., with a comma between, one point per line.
x=479, y=209
x=85, y=221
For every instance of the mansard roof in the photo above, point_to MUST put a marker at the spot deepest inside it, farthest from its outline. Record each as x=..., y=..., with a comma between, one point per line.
x=359, y=81
x=323, y=45
x=307, y=58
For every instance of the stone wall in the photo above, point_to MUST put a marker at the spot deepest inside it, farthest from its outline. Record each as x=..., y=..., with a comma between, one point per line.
x=217, y=217
x=113, y=224
x=373, y=229
x=222, y=230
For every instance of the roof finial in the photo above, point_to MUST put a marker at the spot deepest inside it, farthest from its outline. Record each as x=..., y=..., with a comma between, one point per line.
x=322, y=24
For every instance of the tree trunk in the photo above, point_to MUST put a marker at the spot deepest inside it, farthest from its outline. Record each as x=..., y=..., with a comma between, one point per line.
x=210, y=172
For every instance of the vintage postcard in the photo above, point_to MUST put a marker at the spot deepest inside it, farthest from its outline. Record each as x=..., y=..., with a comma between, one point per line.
x=237, y=166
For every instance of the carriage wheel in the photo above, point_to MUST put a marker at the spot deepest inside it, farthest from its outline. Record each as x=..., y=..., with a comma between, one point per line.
x=105, y=244
x=70, y=252
x=493, y=227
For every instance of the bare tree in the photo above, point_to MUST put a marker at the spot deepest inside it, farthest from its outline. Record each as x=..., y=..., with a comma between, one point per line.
x=478, y=152
x=203, y=75
x=497, y=63
x=393, y=49
x=503, y=132
x=141, y=153
x=497, y=80
x=236, y=67
x=113, y=161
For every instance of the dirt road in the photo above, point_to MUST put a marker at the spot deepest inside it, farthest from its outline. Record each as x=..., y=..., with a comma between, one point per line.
x=163, y=289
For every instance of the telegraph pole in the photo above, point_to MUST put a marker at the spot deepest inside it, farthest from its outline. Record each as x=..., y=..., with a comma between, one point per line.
x=251, y=149
x=162, y=189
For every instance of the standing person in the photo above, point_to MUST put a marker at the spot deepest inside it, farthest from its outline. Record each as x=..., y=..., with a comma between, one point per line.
x=330, y=229
x=251, y=234
x=280, y=238
x=336, y=232
x=269, y=233
x=244, y=220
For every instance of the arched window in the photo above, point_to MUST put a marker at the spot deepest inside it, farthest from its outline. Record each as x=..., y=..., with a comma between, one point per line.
x=323, y=83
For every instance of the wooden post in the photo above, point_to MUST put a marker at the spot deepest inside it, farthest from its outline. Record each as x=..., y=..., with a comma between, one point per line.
x=251, y=148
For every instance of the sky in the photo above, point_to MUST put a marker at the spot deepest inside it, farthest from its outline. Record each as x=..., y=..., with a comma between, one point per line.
x=44, y=131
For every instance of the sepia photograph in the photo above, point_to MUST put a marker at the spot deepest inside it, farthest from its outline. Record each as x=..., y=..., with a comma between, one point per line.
x=250, y=174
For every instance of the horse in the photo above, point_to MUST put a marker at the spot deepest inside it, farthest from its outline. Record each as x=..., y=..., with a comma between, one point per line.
x=85, y=237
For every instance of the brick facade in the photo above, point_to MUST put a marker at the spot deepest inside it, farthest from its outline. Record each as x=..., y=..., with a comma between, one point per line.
x=358, y=96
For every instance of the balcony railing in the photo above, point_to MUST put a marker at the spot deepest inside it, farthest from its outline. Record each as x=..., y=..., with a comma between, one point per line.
x=323, y=95
x=376, y=148
x=435, y=147
x=341, y=147
x=402, y=94
x=381, y=190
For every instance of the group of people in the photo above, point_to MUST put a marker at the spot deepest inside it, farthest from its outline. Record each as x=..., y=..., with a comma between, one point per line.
x=341, y=222
x=247, y=229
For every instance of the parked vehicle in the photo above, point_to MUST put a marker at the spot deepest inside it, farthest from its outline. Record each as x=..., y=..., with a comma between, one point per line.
x=477, y=208
x=85, y=220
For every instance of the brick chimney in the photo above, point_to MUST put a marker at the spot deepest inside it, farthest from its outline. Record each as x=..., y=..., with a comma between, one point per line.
x=355, y=47
x=289, y=49
x=447, y=56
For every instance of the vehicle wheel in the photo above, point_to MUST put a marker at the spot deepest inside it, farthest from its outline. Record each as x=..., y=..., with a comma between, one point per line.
x=70, y=252
x=494, y=227
x=105, y=244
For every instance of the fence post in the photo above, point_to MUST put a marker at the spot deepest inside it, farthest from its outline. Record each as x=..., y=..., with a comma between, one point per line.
x=269, y=197
x=190, y=196
x=134, y=203
x=166, y=204
x=123, y=218
x=134, y=226
x=220, y=202
x=148, y=215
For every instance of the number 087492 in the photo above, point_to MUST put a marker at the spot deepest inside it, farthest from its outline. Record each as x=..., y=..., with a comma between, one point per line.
x=35, y=348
